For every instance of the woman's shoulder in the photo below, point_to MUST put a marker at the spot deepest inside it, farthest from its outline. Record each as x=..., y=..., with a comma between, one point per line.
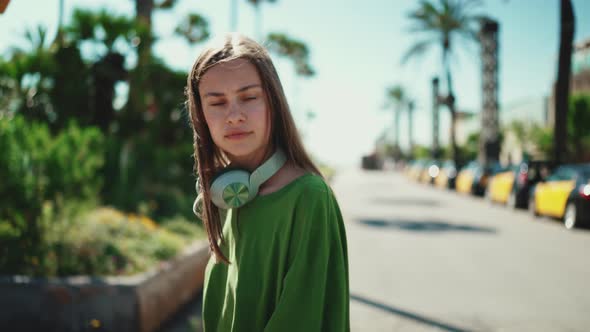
x=291, y=177
x=308, y=185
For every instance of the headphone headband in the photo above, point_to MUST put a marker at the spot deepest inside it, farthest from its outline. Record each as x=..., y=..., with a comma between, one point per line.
x=267, y=170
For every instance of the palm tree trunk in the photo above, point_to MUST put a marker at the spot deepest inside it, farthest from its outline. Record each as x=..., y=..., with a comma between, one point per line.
x=451, y=105
x=234, y=15
x=258, y=21
x=411, y=126
x=139, y=83
x=396, y=124
x=60, y=21
x=436, y=101
x=567, y=26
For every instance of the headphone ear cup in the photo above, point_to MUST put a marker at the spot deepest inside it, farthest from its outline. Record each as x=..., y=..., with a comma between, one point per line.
x=198, y=206
x=231, y=189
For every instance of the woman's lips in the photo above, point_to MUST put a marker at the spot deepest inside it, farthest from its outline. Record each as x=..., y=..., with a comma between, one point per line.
x=237, y=136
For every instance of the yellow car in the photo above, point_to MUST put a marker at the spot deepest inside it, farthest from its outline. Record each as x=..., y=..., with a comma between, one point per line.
x=500, y=186
x=447, y=175
x=464, y=180
x=473, y=178
x=430, y=172
x=564, y=195
x=512, y=187
x=416, y=169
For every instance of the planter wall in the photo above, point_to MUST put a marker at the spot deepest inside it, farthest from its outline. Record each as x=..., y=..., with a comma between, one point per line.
x=136, y=303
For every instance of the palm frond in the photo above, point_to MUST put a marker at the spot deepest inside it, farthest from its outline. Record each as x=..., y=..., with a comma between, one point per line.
x=258, y=2
x=417, y=50
x=115, y=27
x=446, y=20
x=395, y=96
x=293, y=49
x=165, y=4
x=425, y=17
x=194, y=28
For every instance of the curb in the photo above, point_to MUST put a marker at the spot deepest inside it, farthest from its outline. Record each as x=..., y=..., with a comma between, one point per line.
x=84, y=303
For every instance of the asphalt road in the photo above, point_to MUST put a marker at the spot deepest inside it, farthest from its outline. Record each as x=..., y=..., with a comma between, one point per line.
x=424, y=259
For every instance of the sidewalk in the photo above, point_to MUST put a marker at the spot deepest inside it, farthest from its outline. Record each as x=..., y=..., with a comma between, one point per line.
x=187, y=319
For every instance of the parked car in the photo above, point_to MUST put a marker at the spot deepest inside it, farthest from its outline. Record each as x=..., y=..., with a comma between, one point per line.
x=465, y=178
x=473, y=178
x=565, y=194
x=416, y=169
x=371, y=162
x=430, y=171
x=512, y=187
x=447, y=176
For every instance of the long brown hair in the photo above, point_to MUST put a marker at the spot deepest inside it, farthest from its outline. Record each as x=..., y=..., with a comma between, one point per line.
x=209, y=159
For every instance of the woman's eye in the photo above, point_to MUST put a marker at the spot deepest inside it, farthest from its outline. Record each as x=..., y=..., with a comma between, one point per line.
x=216, y=104
x=250, y=98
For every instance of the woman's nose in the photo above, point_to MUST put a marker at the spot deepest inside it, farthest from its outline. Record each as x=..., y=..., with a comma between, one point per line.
x=236, y=114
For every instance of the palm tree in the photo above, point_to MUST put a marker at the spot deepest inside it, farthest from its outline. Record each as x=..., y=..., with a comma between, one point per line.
x=194, y=28
x=396, y=99
x=233, y=15
x=60, y=23
x=25, y=78
x=411, y=108
x=140, y=89
x=256, y=4
x=109, y=68
x=293, y=49
x=442, y=21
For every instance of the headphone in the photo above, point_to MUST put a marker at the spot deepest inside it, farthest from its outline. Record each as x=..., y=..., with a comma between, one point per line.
x=234, y=188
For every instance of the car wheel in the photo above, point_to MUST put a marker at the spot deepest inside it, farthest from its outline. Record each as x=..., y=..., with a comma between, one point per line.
x=532, y=207
x=570, y=218
x=512, y=200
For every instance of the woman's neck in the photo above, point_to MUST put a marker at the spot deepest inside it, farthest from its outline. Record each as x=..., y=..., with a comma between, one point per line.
x=251, y=162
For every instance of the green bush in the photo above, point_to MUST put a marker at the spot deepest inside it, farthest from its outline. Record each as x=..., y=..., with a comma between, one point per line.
x=181, y=226
x=578, y=127
x=36, y=169
x=105, y=241
x=150, y=178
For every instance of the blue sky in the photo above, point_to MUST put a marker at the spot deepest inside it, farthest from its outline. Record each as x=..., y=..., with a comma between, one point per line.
x=356, y=47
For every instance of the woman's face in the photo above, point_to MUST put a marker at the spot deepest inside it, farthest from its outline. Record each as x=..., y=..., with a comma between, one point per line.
x=236, y=111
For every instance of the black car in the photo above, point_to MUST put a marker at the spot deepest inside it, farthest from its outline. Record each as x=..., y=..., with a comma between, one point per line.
x=449, y=168
x=481, y=176
x=526, y=175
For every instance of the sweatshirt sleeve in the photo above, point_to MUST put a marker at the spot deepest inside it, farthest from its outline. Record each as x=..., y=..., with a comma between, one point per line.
x=315, y=294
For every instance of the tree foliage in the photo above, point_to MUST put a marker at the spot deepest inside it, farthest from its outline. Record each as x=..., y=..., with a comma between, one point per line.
x=293, y=49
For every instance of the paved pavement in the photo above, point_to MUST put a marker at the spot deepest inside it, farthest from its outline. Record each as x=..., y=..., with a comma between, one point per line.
x=423, y=259
x=188, y=319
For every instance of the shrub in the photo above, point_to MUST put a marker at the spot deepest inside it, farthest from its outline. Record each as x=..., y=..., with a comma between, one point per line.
x=37, y=169
x=106, y=241
x=184, y=228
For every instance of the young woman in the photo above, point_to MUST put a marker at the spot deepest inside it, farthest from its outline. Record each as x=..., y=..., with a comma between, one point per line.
x=278, y=245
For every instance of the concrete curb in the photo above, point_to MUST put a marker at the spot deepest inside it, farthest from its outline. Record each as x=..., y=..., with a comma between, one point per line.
x=83, y=303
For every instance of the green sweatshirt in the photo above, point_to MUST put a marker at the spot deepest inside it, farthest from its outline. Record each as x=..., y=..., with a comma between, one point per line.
x=289, y=264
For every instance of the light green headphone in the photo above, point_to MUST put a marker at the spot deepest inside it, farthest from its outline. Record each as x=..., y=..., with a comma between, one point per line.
x=234, y=188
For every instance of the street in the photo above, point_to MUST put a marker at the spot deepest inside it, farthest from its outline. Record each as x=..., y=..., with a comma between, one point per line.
x=425, y=259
